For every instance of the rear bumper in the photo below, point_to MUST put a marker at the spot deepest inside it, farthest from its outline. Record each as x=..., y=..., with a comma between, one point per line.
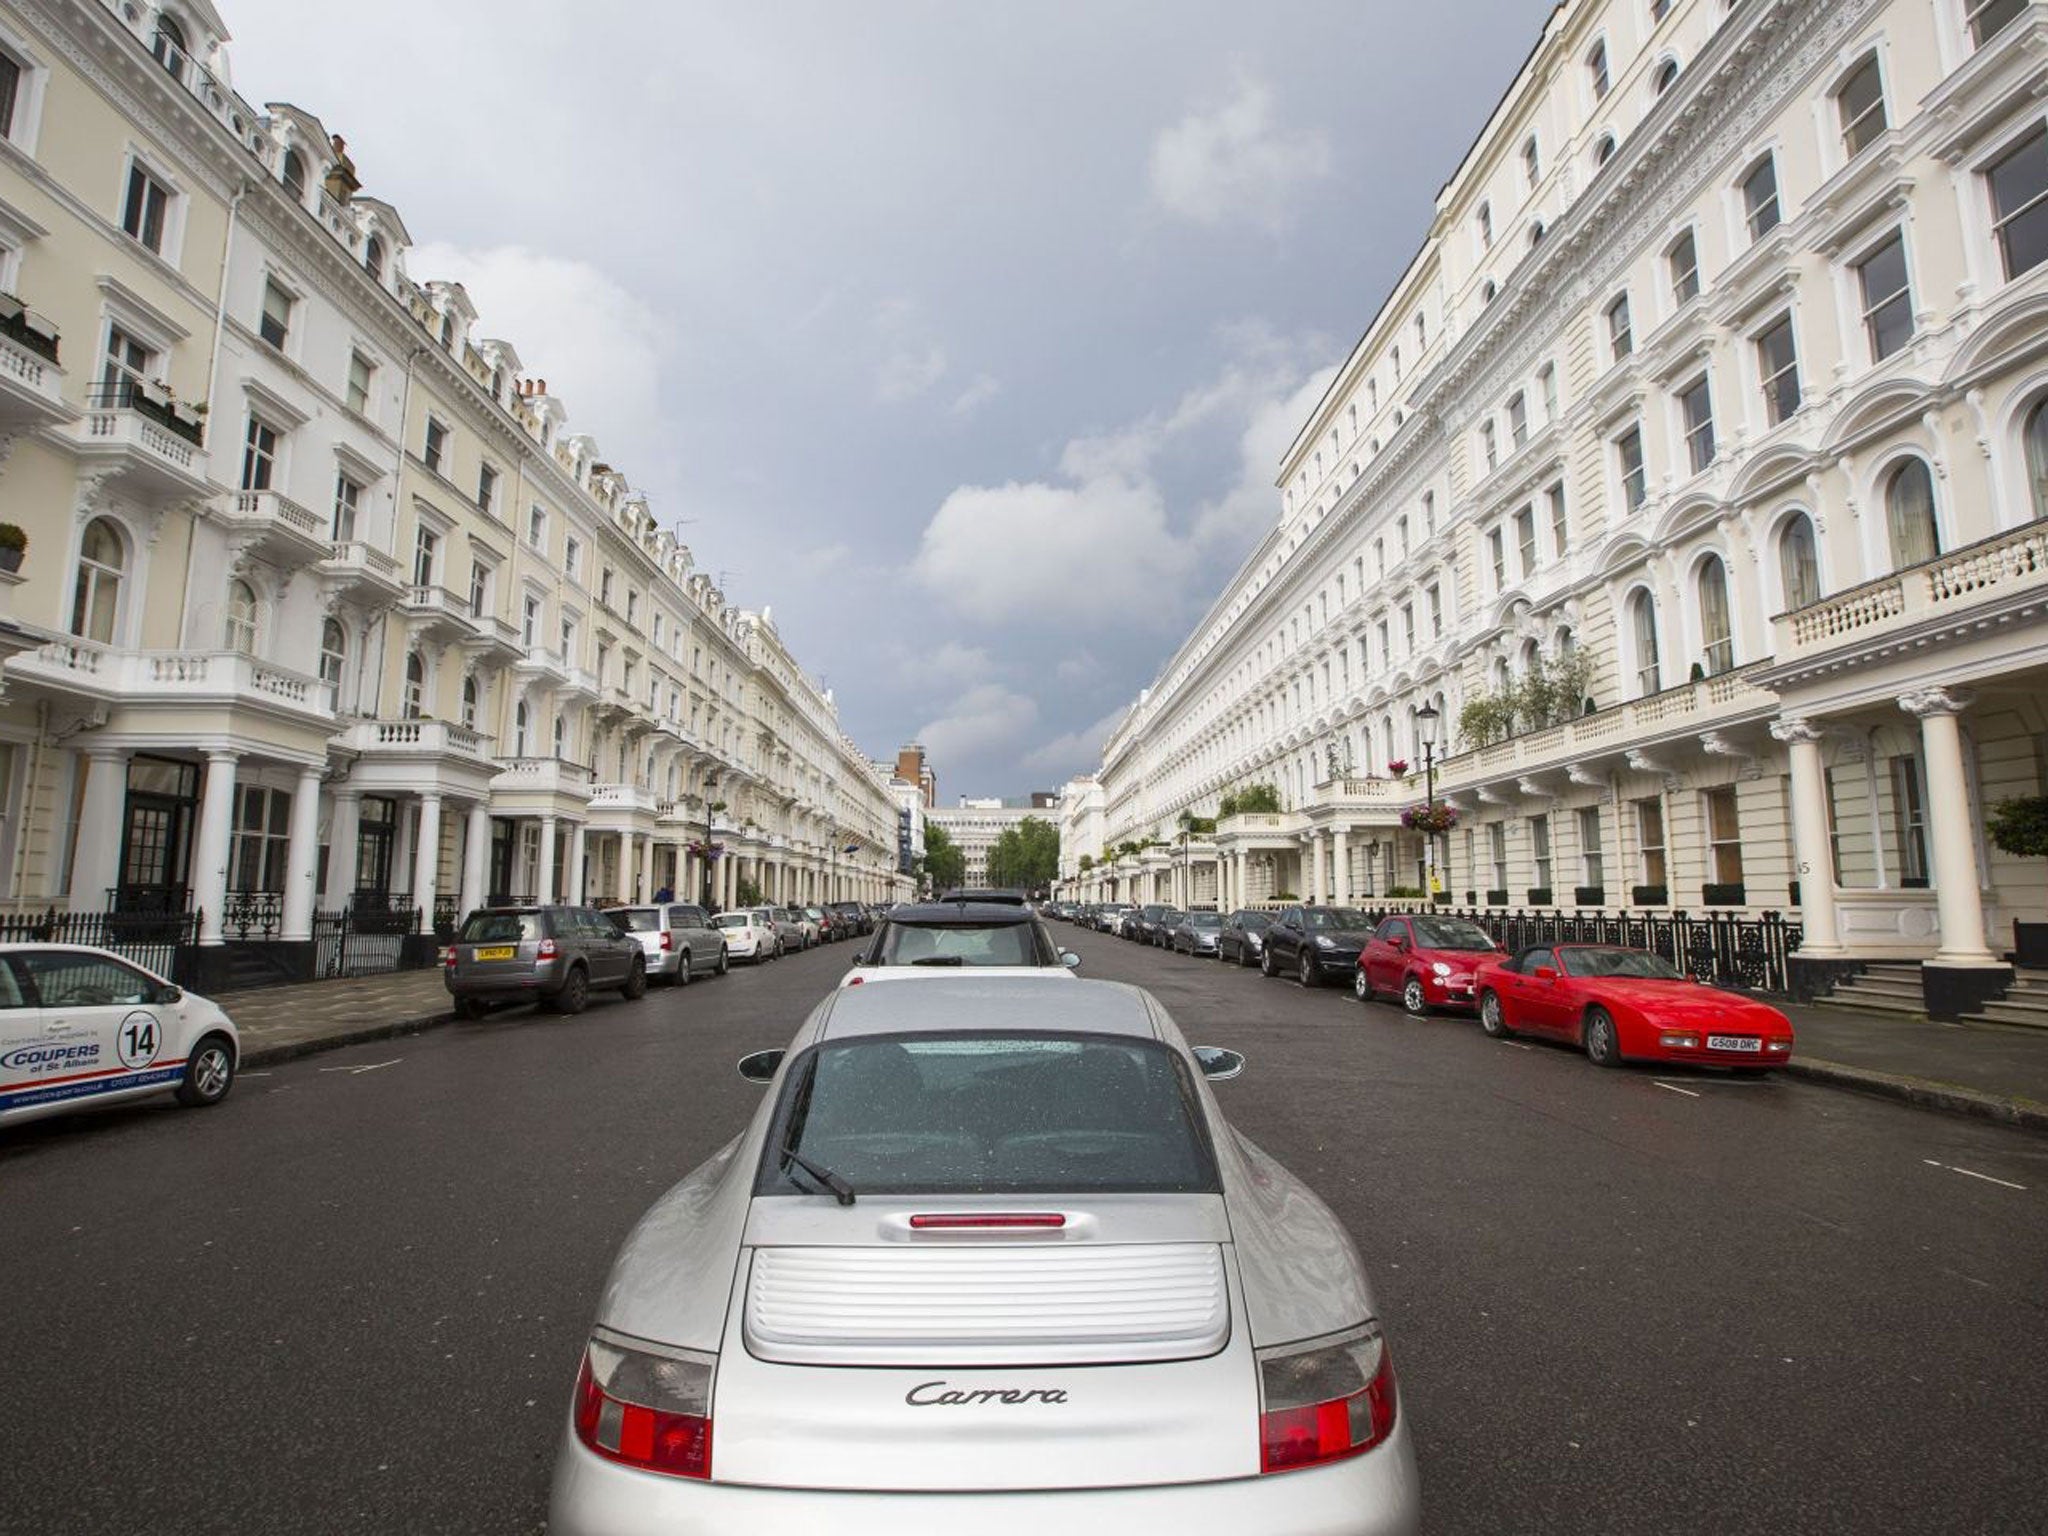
x=1377, y=1494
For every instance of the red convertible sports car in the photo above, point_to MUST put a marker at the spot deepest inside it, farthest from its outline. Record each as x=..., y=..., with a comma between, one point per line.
x=1628, y=1005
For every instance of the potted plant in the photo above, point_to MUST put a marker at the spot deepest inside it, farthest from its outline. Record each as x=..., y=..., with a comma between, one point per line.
x=13, y=544
x=1398, y=767
x=2020, y=827
x=1432, y=819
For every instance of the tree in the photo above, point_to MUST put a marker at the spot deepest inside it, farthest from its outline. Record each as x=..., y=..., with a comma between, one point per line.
x=944, y=864
x=1026, y=855
x=1251, y=798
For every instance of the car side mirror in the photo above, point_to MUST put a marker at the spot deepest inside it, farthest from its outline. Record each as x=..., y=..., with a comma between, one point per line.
x=1400, y=946
x=1218, y=1064
x=761, y=1066
x=166, y=995
x=1069, y=959
x=1546, y=973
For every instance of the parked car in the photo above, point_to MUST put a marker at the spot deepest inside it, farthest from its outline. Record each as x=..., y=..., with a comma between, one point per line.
x=1426, y=960
x=1621, y=1005
x=750, y=934
x=826, y=924
x=991, y=1259
x=1196, y=933
x=855, y=918
x=677, y=938
x=927, y=941
x=81, y=1026
x=553, y=956
x=1243, y=936
x=1110, y=915
x=1145, y=924
x=1160, y=934
x=807, y=930
x=1312, y=942
x=789, y=932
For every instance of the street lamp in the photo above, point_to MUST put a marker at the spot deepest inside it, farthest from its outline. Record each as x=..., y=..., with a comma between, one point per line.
x=1426, y=718
x=709, y=785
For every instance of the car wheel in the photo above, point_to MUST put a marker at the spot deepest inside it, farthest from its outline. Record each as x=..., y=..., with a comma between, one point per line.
x=209, y=1072
x=1307, y=972
x=1603, y=1044
x=685, y=972
x=1413, y=999
x=724, y=962
x=1361, y=988
x=471, y=1008
x=575, y=992
x=636, y=980
x=1493, y=1018
x=1266, y=966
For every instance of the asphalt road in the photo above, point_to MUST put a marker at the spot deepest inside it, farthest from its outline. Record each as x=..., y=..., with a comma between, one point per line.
x=352, y=1298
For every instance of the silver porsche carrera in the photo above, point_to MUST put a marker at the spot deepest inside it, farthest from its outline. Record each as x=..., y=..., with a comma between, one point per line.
x=988, y=1258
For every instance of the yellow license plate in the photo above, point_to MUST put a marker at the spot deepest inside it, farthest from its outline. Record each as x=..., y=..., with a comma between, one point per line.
x=503, y=952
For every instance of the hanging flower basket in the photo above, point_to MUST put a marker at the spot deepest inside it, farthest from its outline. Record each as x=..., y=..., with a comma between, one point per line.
x=1433, y=818
x=1398, y=767
x=706, y=850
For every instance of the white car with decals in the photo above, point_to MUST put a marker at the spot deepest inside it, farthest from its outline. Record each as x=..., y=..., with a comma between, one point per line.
x=81, y=1026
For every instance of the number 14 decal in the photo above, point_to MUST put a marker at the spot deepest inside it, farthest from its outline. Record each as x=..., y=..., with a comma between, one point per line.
x=138, y=1040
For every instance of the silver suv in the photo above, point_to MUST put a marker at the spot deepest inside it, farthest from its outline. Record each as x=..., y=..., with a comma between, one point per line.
x=547, y=955
x=677, y=938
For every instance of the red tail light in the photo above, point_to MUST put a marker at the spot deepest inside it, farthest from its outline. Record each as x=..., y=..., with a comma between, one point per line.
x=448, y=957
x=546, y=950
x=984, y=1220
x=645, y=1410
x=668, y=940
x=1325, y=1399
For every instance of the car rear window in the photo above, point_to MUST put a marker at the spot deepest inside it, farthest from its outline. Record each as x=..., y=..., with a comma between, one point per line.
x=501, y=928
x=991, y=1114
x=731, y=920
x=940, y=944
x=1452, y=933
x=637, y=919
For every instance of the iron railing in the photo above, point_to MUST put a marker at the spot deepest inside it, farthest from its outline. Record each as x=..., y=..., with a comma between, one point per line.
x=150, y=939
x=252, y=916
x=126, y=394
x=362, y=942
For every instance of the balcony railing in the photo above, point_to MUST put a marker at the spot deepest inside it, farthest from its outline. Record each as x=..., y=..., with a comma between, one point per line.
x=161, y=676
x=151, y=404
x=543, y=774
x=21, y=324
x=413, y=737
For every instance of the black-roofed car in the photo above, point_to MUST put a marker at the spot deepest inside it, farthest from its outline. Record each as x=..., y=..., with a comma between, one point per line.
x=933, y=938
x=988, y=1258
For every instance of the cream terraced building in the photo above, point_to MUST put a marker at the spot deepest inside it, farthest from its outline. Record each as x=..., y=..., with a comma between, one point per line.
x=324, y=604
x=1721, y=369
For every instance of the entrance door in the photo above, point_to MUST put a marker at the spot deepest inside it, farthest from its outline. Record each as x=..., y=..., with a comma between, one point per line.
x=156, y=835
x=374, y=840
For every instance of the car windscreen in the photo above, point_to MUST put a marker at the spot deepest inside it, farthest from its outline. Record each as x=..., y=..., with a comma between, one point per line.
x=501, y=928
x=1204, y=920
x=1451, y=933
x=637, y=919
x=1329, y=918
x=1633, y=963
x=991, y=1114
x=958, y=944
x=1254, y=922
x=731, y=920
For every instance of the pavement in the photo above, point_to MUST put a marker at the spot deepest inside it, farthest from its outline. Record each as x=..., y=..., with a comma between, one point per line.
x=1995, y=1072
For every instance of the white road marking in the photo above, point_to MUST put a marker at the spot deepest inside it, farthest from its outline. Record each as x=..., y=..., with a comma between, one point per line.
x=255, y=1074
x=1518, y=1045
x=1675, y=1088
x=1971, y=1173
x=372, y=1067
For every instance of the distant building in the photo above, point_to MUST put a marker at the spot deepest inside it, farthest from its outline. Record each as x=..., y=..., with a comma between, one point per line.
x=912, y=768
x=974, y=825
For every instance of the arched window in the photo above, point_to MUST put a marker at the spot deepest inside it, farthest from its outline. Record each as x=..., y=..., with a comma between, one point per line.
x=1536, y=233
x=415, y=685
x=1860, y=101
x=448, y=329
x=1909, y=511
x=1717, y=636
x=1531, y=657
x=333, y=657
x=1666, y=76
x=373, y=257
x=1487, y=290
x=96, y=600
x=521, y=721
x=241, y=617
x=2037, y=456
x=561, y=737
x=1564, y=642
x=469, y=701
x=1596, y=66
x=169, y=46
x=1798, y=562
x=1642, y=610
x=1503, y=674
x=1604, y=150
x=295, y=174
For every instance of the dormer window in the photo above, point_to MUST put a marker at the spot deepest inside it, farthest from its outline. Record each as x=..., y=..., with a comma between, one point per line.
x=294, y=174
x=448, y=329
x=1604, y=150
x=169, y=46
x=1596, y=66
x=373, y=257
x=1666, y=77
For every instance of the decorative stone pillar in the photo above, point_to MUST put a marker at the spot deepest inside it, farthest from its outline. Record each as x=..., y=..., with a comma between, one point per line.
x=629, y=853
x=302, y=858
x=1952, y=842
x=1341, y=842
x=344, y=831
x=1818, y=917
x=544, y=881
x=426, y=869
x=96, y=864
x=211, y=843
x=476, y=858
x=579, y=862
x=1317, y=874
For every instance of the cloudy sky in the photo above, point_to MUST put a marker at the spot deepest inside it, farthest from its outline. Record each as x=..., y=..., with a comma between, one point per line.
x=966, y=334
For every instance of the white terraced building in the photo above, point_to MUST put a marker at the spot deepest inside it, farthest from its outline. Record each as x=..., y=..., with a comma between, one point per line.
x=1722, y=369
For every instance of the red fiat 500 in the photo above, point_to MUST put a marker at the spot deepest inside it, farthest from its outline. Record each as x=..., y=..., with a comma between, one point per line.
x=1628, y=1004
x=1425, y=960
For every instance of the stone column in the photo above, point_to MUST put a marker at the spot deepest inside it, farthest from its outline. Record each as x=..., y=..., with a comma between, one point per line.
x=344, y=830
x=96, y=863
x=627, y=854
x=1952, y=843
x=579, y=861
x=545, y=883
x=1810, y=846
x=1241, y=877
x=426, y=869
x=1341, y=842
x=211, y=842
x=476, y=857
x=302, y=858
x=1318, y=874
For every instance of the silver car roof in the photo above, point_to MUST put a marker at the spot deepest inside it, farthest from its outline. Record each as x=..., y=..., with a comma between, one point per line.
x=969, y=1004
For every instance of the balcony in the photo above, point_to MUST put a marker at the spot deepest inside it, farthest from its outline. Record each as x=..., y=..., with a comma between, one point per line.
x=360, y=572
x=581, y=684
x=436, y=615
x=152, y=448
x=543, y=776
x=150, y=678
x=31, y=382
x=612, y=803
x=495, y=640
x=417, y=739
x=1979, y=579
x=275, y=529
x=541, y=665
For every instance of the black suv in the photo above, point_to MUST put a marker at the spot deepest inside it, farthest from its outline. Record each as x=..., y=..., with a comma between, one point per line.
x=950, y=933
x=1304, y=942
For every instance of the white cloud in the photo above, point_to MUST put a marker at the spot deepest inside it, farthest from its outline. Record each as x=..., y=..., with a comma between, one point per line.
x=977, y=394
x=1235, y=162
x=986, y=719
x=1077, y=751
x=908, y=372
x=954, y=664
x=598, y=345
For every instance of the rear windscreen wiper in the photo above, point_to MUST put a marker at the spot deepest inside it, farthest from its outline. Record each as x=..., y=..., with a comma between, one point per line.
x=841, y=1190
x=940, y=960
